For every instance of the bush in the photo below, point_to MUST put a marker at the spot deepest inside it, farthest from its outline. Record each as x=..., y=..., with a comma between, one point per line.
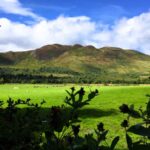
x=142, y=129
x=56, y=128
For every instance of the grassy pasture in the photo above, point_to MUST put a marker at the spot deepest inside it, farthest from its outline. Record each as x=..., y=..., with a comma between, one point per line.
x=104, y=108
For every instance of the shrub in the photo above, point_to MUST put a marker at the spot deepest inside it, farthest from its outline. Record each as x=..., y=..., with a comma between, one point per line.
x=141, y=129
x=55, y=128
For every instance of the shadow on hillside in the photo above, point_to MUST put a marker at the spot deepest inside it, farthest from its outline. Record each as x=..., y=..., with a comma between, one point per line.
x=96, y=113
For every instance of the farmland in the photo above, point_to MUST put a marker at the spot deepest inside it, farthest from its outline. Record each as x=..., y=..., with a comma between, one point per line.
x=103, y=108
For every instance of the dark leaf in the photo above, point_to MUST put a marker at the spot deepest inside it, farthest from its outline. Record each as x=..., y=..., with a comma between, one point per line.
x=100, y=127
x=141, y=147
x=124, y=108
x=129, y=142
x=114, y=143
x=139, y=130
x=135, y=114
x=103, y=136
x=148, y=108
x=125, y=123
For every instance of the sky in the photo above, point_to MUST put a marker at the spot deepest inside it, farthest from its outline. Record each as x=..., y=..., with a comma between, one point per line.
x=30, y=24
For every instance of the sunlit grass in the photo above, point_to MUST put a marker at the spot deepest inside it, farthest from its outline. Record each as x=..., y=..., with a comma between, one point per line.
x=103, y=108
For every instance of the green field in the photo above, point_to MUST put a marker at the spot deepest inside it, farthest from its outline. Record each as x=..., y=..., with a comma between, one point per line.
x=103, y=108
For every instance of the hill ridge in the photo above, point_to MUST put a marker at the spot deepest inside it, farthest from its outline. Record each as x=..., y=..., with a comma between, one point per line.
x=84, y=59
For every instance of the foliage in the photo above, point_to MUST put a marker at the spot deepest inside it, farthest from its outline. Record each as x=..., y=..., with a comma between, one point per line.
x=64, y=75
x=59, y=129
x=141, y=129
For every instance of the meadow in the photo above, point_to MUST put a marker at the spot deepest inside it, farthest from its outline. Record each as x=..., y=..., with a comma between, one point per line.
x=104, y=108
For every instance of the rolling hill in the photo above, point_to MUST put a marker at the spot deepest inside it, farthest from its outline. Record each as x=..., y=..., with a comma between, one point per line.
x=110, y=62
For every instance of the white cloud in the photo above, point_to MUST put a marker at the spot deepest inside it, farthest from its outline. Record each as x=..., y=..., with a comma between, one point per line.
x=129, y=33
x=15, y=7
x=64, y=30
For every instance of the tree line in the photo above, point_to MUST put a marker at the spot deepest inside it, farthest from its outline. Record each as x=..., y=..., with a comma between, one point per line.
x=62, y=75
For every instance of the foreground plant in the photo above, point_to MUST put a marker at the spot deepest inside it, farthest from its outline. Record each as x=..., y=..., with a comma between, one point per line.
x=142, y=129
x=56, y=128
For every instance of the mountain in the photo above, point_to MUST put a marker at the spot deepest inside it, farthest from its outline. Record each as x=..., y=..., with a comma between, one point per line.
x=83, y=59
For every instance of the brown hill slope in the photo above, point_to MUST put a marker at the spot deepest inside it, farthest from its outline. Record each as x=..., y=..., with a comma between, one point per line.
x=81, y=59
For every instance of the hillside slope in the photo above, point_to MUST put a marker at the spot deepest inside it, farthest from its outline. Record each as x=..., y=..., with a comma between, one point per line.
x=109, y=61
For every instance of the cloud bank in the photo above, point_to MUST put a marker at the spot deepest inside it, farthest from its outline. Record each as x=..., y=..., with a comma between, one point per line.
x=128, y=33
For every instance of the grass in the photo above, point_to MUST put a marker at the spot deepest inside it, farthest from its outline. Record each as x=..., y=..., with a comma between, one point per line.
x=103, y=108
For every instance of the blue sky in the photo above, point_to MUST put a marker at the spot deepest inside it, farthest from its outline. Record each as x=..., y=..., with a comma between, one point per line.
x=95, y=9
x=100, y=10
x=120, y=23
